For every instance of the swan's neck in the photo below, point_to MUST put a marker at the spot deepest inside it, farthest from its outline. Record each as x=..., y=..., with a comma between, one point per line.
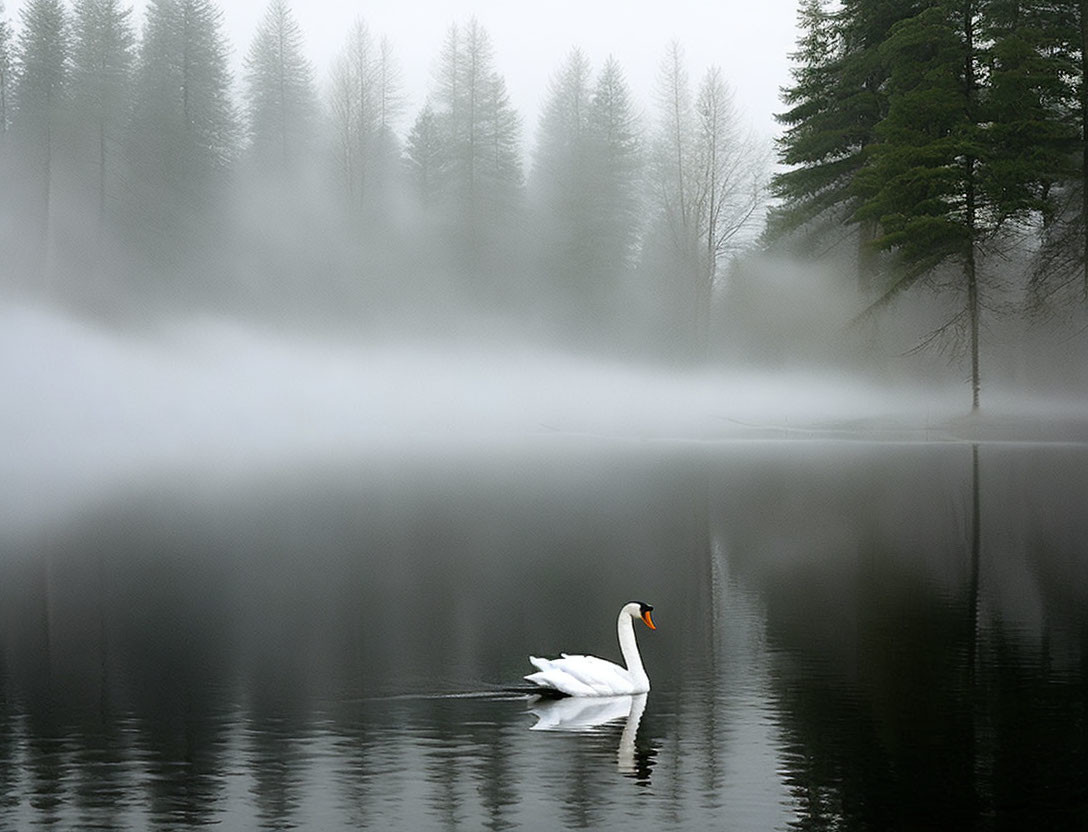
x=629, y=648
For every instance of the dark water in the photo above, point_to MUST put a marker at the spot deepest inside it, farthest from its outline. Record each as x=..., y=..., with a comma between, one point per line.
x=850, y=636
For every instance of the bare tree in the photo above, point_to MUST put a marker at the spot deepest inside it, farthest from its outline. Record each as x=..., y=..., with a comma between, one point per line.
x=353, y=101
x=709, y=185
x=729, y=186
x=365, y=100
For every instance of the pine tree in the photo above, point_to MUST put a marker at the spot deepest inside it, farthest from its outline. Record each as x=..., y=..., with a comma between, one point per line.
x=562, y=167
x=837, y=98
x=1028, y=94
x=481, y=176
x=5, y=72
x=102, y=60
x=931, y=168
x=280, y=96
x=184, y=130
x=1039, y=96
x=615, y=171
x=423, y=156
x=820, y=167
x=40, y=96
x=9, y=202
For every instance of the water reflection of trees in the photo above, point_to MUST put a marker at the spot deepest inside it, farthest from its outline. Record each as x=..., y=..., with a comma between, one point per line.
x=154, y=644
x=913, y=692
x=175, y=651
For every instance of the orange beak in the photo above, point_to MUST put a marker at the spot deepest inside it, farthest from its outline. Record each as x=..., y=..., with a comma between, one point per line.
x=648, y=621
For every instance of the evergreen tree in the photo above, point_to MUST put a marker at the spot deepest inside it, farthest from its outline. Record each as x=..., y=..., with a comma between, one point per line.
x=586, y=188
x=561, y=183
x=480, y=132
x=40, y=95
x=614, y=172
x=280, y=96
x=184, y=130
x=8, y=198
x=837, y=98
x=1040, y=112
x=500, y=170
x=818, y=178
x=5, y=72
x=1030, y=90
x=102, y=60
x=423, y=155
x=932, y=168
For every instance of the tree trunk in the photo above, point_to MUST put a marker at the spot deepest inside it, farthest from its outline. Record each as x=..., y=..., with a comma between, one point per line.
x=45, y=217
x=970, y=170
x=972, y=306
x=867, y=256
x=1084, y=141
x=101, y=187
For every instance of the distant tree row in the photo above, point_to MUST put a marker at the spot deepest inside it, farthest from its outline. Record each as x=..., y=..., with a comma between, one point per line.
x=130, y=173
x=949, y=139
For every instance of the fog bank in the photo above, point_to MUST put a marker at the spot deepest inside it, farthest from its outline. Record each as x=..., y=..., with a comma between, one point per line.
x=89, y=410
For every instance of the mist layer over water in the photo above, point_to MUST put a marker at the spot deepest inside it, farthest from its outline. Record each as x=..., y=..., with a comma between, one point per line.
x=88, y=409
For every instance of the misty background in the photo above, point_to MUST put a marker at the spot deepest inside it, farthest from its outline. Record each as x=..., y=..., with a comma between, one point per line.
x=197, y=205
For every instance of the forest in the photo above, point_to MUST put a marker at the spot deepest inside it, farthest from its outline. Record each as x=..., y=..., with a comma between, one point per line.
x=923, y=210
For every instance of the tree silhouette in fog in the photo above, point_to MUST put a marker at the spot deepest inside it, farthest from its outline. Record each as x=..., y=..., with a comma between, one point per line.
x=585, y=187
x=479, y=133
x=39, y=92
x=365, y=101
x=708, y=191
x=103, y=56
x=184, y=130
x=280, y=95
x=5, y=76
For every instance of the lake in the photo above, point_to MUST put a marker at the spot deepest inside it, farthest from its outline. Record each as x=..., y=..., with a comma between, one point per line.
x=850, y=635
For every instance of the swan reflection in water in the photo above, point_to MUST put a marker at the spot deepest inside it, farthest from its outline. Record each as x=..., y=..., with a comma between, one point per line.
x=587, y=714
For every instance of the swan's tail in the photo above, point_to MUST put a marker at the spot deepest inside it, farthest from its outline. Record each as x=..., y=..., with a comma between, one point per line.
x=536, y=690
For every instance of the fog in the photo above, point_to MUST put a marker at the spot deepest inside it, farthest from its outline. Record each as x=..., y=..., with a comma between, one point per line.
x=90, y=410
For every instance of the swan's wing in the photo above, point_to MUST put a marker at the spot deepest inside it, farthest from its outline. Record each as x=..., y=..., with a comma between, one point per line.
x=551, y=676
x=581, y=676
x=607, y=678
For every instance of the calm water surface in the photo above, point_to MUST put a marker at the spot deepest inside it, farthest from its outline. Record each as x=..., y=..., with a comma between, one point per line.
x=850, y=636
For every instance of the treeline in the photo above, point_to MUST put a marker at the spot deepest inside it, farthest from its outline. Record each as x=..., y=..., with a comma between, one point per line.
x=131, y=176
x=947, y=141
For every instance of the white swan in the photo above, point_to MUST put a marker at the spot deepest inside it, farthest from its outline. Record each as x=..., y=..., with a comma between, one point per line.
x=590, y=676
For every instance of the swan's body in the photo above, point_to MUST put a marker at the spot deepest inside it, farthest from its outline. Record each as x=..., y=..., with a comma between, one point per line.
x=590, y=676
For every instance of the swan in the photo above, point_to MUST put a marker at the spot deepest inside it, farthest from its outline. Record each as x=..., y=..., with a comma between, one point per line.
x=590, y=676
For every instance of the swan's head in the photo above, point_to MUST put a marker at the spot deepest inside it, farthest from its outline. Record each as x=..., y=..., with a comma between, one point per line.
x=640, y=609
